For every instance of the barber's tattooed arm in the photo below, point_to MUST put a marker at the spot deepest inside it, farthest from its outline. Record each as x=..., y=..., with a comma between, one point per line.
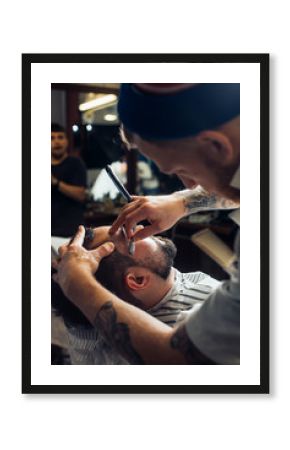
x=199, y=199
x=181, y=342
x=118, y=334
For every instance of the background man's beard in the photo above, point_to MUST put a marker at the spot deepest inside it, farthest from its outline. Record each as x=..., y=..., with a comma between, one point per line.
x=58, y=155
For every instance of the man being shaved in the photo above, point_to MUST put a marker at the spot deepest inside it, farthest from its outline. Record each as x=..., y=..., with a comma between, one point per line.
x=147, y=280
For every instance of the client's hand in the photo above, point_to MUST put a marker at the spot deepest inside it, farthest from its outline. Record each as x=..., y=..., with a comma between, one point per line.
x=75, y=262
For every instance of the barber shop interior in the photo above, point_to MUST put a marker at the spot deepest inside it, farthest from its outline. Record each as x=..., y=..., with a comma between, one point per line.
x=95, y=175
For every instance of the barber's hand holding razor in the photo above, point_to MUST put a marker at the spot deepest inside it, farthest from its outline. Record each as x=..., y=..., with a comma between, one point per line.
x=162, y=212
x=75, y=262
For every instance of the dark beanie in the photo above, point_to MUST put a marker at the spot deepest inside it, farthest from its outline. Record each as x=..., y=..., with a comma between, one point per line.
x=175, y=110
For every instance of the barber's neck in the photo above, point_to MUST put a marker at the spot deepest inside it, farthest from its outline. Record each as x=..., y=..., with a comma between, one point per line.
x=156, y=290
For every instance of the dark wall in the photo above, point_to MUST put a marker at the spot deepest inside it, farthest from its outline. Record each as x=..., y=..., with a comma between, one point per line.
x=58, y=107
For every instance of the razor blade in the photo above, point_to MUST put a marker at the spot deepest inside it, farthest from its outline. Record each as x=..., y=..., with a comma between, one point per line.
x=123, y=191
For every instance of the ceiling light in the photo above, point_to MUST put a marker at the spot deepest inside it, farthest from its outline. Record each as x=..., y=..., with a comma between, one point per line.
x=110, y=117
x=89, y=127
x=75, y=128
x=98, y=103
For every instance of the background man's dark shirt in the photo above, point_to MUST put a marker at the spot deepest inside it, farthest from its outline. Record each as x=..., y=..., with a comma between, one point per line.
x=66, y=213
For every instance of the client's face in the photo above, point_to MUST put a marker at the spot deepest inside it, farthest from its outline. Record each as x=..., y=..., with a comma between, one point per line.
x=150, y=251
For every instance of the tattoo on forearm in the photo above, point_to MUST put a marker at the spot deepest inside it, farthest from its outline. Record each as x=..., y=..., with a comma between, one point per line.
x=180, y=341
x=200, y=200
x=117, y=333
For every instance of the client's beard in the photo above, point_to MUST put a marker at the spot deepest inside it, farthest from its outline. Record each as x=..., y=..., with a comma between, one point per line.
x=164, y=266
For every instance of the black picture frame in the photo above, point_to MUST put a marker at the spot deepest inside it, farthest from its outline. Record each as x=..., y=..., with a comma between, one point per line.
x=27, y=61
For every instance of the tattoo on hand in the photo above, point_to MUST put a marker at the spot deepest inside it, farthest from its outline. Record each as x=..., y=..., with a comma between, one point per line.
x=117, y=334
x=180, y=341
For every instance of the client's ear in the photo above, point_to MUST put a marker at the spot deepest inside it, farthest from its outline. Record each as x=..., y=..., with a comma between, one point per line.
x=137, y=278
x=219, y=145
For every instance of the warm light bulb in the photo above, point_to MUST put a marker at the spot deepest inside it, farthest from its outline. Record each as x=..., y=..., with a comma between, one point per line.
x=110, y=117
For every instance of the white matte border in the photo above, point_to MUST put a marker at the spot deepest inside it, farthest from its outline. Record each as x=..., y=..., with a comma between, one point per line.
x=42, y=75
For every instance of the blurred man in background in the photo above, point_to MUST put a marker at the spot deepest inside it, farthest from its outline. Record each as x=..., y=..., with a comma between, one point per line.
x=68, y=186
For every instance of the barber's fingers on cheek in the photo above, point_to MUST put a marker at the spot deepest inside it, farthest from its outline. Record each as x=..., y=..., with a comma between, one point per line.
x=133, y=219
x=135, y=229
x=118, y=223
x=122, y=218
x=114, y=227
x=150, y=230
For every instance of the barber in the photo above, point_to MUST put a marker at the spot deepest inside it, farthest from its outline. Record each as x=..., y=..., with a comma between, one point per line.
x=193, y=131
